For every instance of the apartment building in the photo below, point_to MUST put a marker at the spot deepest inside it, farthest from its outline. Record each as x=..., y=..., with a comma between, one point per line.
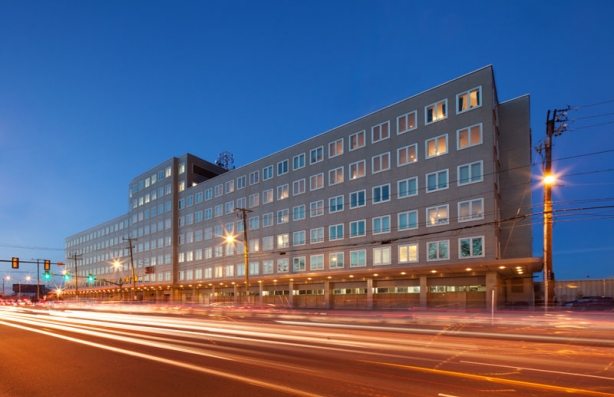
x=421, y=204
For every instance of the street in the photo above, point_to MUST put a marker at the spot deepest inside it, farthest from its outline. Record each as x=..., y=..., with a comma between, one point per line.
x=101, y=353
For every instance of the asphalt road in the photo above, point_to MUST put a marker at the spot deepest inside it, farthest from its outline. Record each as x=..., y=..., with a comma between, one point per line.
x=93, y=353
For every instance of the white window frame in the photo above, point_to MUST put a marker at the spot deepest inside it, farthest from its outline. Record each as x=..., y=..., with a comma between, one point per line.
x=357, y=254
x=406, y=116
x=364, y=203
x=335, y=148
x=317, y=180
x=408, y=254
x=298, y=212
x=435, y=106
x=437, y=176
x=296, y=185
x=336, y=231
x=316, y=208
x=267, y=196
x=316, y=235
x=469, y=131
x=382, y=256
x=357, y=222
x=436, y=141
x=281, y=169
x=298, y=162
x=283, y=192
x=356, y=138
x=316, y=262
x=254, y=177
x=471, y=253
x=335, y=176
x=381, y=195
x=407, y=150
x=354, y=170
x=470, y=204
x=381, y=220
x=379, y=159
x=381, y=132
x=333, y=204
x=407, y=181
x=267, y=172
x=435, y=210
x=319, y=157
x=470, y=180
x=477, y=89
x=408, y=214
x=439, y=257
x=299, y=241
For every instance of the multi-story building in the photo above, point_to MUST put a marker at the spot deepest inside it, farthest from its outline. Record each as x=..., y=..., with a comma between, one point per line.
x=421, y=204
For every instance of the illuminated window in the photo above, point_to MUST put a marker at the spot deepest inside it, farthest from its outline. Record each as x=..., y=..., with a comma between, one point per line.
x=436, y=112
x=357, y=140
x=408, y=253
x=283, y=240
x=357, y=169
x=469, y=100
x=407, y=155
x=230, y=186
x=335, y=176
x=267, y=196
x=437, y=146
x=380, y=163
x=335, y=260
x=381, y=256
x=380, y=132
x=406, y=122
x=470, y=136
x=437, y=215
x=316, y=182
x=335, y=148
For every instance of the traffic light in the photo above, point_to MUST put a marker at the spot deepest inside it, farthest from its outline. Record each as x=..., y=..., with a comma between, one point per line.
x=47, y=265
x=47, y=276
x=15, y=263
x=127, y=279
x=67, y=276
x=90, y=278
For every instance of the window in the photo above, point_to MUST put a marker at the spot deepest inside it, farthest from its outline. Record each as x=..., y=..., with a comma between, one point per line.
x=241, y=202
x=358, y=199
x=316, y=182
x=408, y=253
x=471, y=210
x=298, y=213
x=437, y=146
x=317, y=235
x=267, y=267
x=437, y=215
x=381, y=224
x=380, y=163
x=437, y=250
x=254, y=268
x=267, y=196
x=298, y=264
x=407, y=187
x=335, y=204
x=469, y=100
x=381, y=194
x=267, y=173
x=357, y=140
x=298, y=161
x=471, y=247
x=267, y=219
x=189, y=201
x=316, y=208
x=254, y=223
x=254, y=200
x=208, y=194
x=407, y=155
x=335, y=232
x=435, y=112
x=218, y=190
x=357, y=228
x=358, y=258
x=229, y=207
x=408, y=220
x=282, y=265
x=229, y=186
x=283, y=240
x=241, y=182
x=406, y=122
x=357, y=169
x=181, y=186
x=254, y=177
x=335, y=260
x=437, y=181
x=298, y=238
x=218, y=210
x=283, y=216
x=381, y=256
x=298, y=187
x=316, y=155
x=335, y=176
x=267, y=243
x=335, y=148
x=218, y=231
x=317, y=262
x=470, y=136
x=282, y=167
x=470, y=173
x=380, y=132
x=181, y=204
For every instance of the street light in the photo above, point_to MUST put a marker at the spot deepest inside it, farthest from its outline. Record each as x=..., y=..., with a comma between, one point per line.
x=117, y=265
x=7, y=278
x=549, y=180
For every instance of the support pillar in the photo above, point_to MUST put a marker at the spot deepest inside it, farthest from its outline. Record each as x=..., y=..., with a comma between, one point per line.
x=236, y=294
x=327, y=294
x=260, y=294
x=369, y=293
x=424, y=289
x=493, y=290
x=291, y=294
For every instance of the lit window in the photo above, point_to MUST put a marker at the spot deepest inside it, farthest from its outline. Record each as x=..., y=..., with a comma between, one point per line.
x=436, y=112
x=469, y=100
x=470, y=173
x=298, y=187
x=470, y=247
x=407, y=155
x=357, y=169
x=381, y=256
x=316, y=182
x=230, y=186
x=408, y=253
x=437, y=146
x=470, y=136
x=335, y=260
x=335, y=148
x=380, y=163
x=335, y=176
x=357, y=140
x=283, y=240
x=380, y=132
x=437, y=215
x=267, y=196
x=406, y=122
x=283, y=192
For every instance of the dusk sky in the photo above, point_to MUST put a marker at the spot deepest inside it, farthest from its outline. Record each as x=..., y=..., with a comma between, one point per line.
x=94, y=93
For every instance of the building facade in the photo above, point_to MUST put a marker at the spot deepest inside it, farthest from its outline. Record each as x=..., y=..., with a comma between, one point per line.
x=421, y=204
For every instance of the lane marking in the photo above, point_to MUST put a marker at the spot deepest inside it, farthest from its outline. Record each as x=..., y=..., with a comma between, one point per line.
x=538, y=370
x=226, y=375
x=559, y=389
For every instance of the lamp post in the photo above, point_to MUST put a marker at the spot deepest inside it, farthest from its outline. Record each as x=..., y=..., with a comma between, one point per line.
x=4, y=278
x=230, y=239
x=548, y=182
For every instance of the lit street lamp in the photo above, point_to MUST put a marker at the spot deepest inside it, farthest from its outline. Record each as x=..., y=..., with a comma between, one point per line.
x=7, y=278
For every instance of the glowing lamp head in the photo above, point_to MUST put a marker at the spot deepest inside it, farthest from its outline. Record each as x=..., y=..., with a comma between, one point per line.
x=230, y=239
x=549, y=179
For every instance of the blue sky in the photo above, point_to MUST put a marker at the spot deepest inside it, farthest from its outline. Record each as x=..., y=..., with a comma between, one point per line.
x=95, y=93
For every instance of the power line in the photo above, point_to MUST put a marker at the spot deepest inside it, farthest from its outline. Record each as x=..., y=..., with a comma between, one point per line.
x=592, y=104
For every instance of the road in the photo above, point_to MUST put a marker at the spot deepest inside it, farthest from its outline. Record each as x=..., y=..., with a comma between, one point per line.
x=94, y=353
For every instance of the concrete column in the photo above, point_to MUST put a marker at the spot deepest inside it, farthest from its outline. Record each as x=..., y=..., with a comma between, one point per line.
x=327, y=294
x=493, y=285
x=212, y=298
x=236, y=292
x=424, y=289
x=260, y=295
x=291, y=296
x=369, y=293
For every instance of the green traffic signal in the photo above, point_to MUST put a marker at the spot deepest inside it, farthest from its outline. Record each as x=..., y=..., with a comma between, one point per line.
x=67, y=276
x=90, y=278
x=47, y=276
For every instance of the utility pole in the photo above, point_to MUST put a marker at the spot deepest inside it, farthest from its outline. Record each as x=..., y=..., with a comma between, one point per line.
x=243, y=216
x=74, y=256
x=558, y=116
x=132, y=265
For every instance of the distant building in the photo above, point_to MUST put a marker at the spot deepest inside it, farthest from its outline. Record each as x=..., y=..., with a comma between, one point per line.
x=419, y=204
